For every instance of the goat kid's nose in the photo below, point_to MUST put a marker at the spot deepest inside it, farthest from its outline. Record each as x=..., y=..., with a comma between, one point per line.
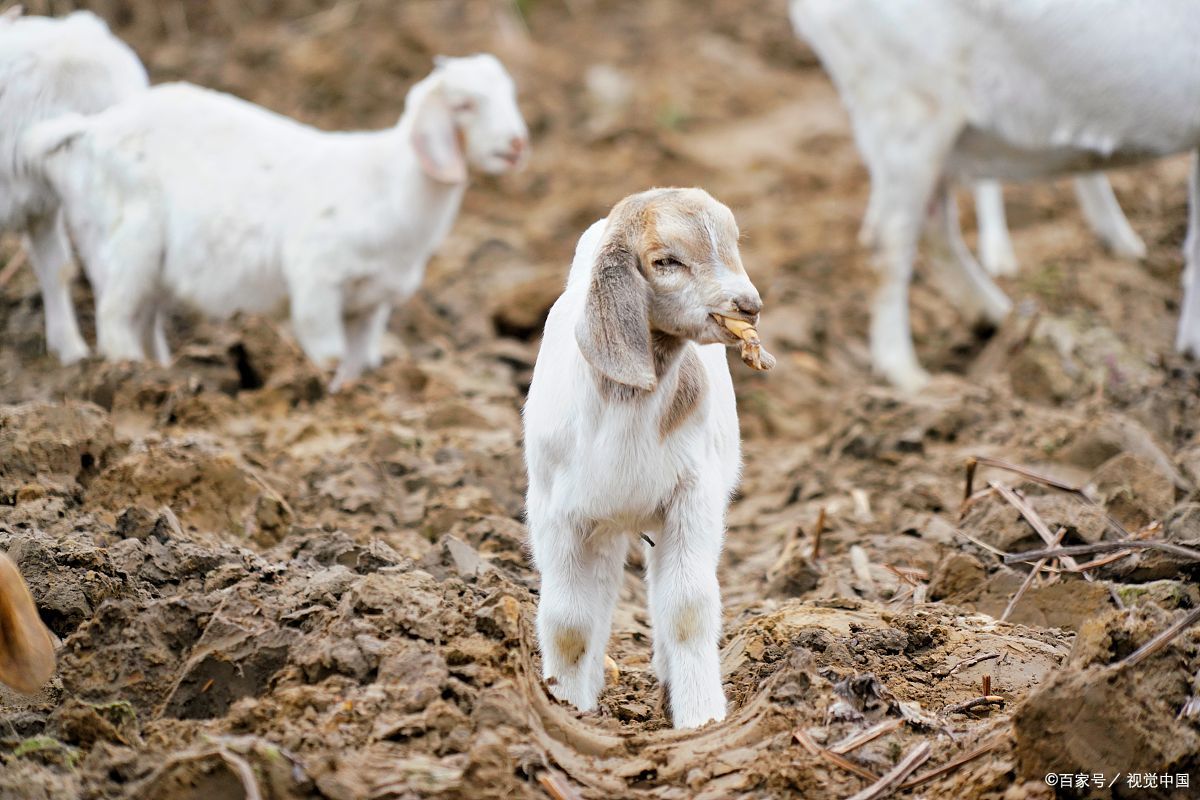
x=518, y=144
x=748, y=305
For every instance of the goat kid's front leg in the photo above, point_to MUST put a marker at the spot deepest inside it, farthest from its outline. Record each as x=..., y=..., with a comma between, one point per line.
x=581, y=580
x=685, y=605
x=50, y=254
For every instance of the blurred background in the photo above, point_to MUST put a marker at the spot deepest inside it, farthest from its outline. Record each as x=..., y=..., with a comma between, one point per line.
x=228, y=552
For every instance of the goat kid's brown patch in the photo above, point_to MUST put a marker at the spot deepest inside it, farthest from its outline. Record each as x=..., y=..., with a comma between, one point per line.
x=689, y=391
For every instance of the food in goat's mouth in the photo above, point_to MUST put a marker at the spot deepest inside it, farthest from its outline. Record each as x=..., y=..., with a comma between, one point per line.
x=752, y=351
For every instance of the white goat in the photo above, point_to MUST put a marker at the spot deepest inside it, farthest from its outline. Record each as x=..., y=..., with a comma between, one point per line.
x=631, y=427
x=195, y=196
x=49, y=67
x=940, y=90
x=1100, y=209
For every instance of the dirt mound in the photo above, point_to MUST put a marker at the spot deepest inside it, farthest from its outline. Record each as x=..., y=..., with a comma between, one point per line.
x=263, y=590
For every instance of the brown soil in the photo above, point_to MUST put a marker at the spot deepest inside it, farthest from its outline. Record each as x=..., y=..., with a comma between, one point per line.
x=264, y=591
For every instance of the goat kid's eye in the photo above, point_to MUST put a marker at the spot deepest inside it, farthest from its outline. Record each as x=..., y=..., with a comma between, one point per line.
x=464, y=106
x=668, y=263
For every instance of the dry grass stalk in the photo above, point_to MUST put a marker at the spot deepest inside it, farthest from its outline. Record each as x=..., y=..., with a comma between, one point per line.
x=857, y=740
x=12, y=267
x=968, y=662
x=556, y=786
x=1029, y=579
x=954, y=764
x=986, y=700
x=1102, y=547
x=890, y=782
x=817, y=533
x=1162, y=640
x=1036, y=522
x=815, y=749
x=1053, y=483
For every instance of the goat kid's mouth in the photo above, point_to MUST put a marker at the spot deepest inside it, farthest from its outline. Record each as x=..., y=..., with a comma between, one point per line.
x=737, y=329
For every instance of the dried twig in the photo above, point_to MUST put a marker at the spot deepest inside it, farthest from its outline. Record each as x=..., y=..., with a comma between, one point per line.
x=1162, y=640
x=969, y=662
x=890, y=782
x=815, y=749
x=972, y=463
x=986, y=700
x=244, y=772
x=556, y=785
x=817, y=533
x=12, y=267
x=857, y=740
x=980, y=543
x=1033, y=573
x=1034, y=519
x=1053, y=483
x=1103, y=547
x=952, y=765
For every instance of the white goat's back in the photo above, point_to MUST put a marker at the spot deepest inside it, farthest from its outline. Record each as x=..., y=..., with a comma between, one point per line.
x=50, y=67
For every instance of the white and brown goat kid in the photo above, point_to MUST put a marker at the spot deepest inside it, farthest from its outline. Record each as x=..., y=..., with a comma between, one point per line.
x=631, y=427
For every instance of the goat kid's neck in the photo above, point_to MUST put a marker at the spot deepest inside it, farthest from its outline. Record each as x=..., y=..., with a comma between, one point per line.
x=667, y=351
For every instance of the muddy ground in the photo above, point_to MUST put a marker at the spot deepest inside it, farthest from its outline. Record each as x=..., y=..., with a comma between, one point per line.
x=265, y=591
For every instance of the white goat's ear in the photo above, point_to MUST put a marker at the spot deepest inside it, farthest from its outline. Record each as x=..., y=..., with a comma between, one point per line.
x=12, y=13
x=614, y=333
x=435, y=138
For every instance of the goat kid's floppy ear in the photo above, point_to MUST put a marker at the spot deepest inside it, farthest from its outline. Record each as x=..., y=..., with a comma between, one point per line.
x=614, y=334
x=435, y=138
x=12, y=13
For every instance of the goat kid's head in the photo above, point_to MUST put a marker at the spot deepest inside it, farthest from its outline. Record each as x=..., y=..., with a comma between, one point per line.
x=667, y=263
x=466, y=114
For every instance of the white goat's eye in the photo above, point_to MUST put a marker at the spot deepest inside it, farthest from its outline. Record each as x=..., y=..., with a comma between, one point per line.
x=667, y=263
x=463, y=106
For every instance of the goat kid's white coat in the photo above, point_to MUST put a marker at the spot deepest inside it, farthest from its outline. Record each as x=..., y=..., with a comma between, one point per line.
x=615, y=449
x=189, y=195
x=50, y=67
x=944, y=90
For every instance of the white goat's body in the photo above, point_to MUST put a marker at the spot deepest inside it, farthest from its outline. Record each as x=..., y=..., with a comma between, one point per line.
x=229, y=207
x=51, y=67
x=601, y=472
x=1006, y=89
x=188, y=195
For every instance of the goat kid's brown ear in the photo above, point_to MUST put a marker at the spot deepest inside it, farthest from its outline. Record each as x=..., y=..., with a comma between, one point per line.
x=436, y=140
x=614, y=334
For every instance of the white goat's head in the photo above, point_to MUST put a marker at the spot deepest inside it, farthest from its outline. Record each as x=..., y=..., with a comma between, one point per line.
x=465, y=113
x=667, y=262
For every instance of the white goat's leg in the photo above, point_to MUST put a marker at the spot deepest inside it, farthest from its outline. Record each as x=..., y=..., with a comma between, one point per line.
x=50, y=254
x=129, y=261
x=995, y=244
x=379, y=326
x=1187, y=340
x=361, y=330
x=685, y=605
x=581, y=580
x=1105, y=218
x=157, y=335
x=316, y=311
x=976, y=294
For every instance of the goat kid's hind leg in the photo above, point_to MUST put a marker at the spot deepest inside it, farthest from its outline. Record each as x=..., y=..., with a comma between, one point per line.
x=995, y=244
x=685, y=606
x=581, y=580
x=129, y=262
x=50, y=255
x=972, y=290
x=1105, y=217
x=1187, y=340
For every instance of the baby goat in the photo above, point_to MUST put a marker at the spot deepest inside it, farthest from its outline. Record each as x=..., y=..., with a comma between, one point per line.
x=192, y=195
x=631, y=427
x=49, y=67
x=1100, y=209
x=944, y=90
